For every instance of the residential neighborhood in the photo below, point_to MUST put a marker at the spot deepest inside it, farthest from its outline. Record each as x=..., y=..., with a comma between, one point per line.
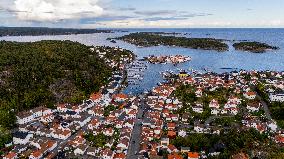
x=115, y=125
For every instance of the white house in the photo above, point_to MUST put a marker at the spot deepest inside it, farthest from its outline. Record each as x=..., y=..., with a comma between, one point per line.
x=182, y=133
x=274, y=97
x=107, y=154
x=250, y=95
x=214, y=104
x=197, y=108
x=123, y=143
x=59, y=134
x=253, y=107
x=21, y=138
x=272, y=125
x=199, y=128
x=198, y=93
x=215, y=111
x=24, y=117
x=80, y=150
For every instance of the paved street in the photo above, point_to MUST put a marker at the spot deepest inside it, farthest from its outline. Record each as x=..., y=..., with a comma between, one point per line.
x=265, y=108
x=136, y=133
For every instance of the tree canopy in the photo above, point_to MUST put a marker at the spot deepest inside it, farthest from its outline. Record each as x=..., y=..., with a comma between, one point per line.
x=45, y=73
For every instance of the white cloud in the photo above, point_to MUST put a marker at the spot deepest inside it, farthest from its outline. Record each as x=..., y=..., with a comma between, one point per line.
x=55, y=10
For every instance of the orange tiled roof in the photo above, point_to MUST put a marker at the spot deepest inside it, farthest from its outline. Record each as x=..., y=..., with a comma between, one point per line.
x=172, y=133
x=11, y=155
x=119, y=155
x=96, y=96
x=240, y=156
x=193, y=155
x=37, y=153
x=251, y=93
x=174, y=156
x=123, y=96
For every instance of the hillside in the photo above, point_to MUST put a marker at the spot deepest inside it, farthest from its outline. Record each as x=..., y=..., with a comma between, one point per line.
x=47, y=72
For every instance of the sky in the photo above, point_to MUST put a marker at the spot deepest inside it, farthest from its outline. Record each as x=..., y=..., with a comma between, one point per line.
x=143, y=13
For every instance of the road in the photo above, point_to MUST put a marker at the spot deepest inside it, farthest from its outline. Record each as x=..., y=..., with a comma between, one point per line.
x=62, y=143
x=134, y=145
x=212, y=118
x=266, y=110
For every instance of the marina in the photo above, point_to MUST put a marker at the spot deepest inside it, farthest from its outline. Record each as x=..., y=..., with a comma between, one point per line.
x=135, y=72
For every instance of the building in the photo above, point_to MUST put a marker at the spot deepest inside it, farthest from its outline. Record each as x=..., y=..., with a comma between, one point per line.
x=185, y=149
x=36, y=154
x=276, y=97
x=253, y=106
x=24, y=117
x=80, y=150
x=250, y=95
x=193, y=155
x=21, y=138
x=165, y=142
x=10, y=155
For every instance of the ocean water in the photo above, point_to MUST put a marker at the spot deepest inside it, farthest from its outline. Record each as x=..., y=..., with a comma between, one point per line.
x=212, y=60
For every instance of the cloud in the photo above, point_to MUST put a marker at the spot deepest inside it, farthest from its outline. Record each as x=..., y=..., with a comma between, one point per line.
x=153, y=13
x=104, y=18
x=126, y=9
x=164, y=18
x=195, y=15
x=56, y=10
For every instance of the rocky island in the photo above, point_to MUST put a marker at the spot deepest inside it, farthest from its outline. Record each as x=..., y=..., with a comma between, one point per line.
x=167, y=59
x=254, y=47
x=143, y=39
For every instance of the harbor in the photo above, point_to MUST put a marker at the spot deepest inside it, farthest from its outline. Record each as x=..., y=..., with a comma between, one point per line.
x=135, y=72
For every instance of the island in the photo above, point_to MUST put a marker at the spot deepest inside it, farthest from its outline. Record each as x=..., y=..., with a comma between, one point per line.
x=38, y=31
x=254, y=47
x=144, y=39
x=174, y=59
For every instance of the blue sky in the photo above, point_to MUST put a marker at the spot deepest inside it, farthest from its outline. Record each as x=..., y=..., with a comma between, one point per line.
x=142, y=13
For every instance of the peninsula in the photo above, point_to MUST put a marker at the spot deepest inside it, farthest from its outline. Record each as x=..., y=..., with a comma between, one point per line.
x=144, y=39
x=38, y=31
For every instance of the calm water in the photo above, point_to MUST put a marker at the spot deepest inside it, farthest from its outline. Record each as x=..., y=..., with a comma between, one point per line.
x=200, y=58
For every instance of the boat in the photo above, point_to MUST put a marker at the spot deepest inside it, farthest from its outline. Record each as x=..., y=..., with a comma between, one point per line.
x=113, y=41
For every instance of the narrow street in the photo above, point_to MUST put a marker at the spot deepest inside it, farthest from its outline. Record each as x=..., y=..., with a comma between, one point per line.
x=265, y=108
x=134, y=145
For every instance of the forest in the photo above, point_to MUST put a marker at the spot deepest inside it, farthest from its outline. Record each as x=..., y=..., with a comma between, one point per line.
x=254, y=47
x=37, y=31
x=149, y=39
x=46, y=73
x=231, y=142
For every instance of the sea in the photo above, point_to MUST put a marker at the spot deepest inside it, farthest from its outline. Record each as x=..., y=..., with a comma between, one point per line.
x=218, y=62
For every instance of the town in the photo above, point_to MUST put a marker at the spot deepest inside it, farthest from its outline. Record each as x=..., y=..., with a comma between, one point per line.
x=189, y=116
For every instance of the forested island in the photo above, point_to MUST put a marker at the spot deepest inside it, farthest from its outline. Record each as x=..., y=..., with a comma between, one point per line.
x=254, y=47
x=144, y=39
x=37, y=31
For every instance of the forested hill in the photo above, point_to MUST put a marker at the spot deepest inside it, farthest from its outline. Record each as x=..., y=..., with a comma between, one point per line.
x=37, y=31
x=47, y=72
